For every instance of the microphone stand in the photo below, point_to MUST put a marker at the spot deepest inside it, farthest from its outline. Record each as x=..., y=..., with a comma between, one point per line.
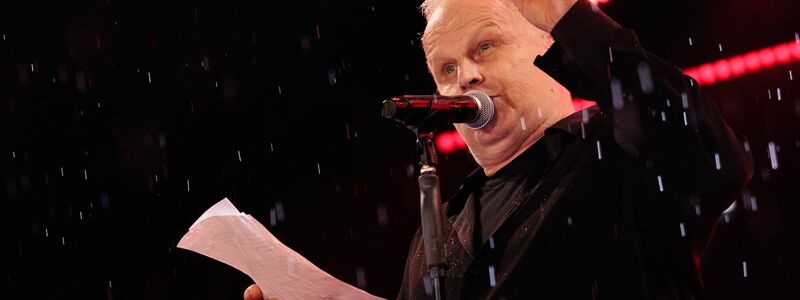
x=431, y=215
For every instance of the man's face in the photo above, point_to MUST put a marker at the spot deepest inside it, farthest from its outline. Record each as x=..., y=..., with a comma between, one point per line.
x=488, y=45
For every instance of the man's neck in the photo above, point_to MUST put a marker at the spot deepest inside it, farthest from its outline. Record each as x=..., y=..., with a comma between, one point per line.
x=494, y=158
x=491, y=166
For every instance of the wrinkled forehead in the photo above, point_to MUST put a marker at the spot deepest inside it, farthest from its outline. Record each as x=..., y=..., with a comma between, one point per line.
x=459, y=17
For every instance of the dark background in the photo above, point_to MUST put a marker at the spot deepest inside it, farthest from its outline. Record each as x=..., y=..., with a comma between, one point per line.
x=122, y=121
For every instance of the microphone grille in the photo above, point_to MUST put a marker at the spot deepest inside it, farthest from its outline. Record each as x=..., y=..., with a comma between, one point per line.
x=485, y=109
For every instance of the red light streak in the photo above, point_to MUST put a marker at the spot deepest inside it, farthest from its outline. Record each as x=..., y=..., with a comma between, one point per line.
x=748, y=63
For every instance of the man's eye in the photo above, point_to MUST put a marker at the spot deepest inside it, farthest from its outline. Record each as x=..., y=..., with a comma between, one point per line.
x=449, y=69
x=484, y=47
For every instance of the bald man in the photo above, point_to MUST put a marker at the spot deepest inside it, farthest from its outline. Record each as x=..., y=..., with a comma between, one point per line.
x=611, y=202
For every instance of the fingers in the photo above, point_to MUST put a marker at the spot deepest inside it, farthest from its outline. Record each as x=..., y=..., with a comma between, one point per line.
x=253, y=293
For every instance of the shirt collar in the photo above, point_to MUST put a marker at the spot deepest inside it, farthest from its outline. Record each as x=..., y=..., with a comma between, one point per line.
x=555, y=138
x=575, y=123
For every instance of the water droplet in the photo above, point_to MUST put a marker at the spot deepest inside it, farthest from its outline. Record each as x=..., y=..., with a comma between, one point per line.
x=685, y=100
x=280, y=213
x=683, y=230
x=361, y=278
x=290, y=266
x=660, y=184
x=583, y=130
x=599, y=151
x=744, y=269
x=383, y=215
x=410, y=170
x=332, y=77
x=753, y=204
x=716, y=161
x=646, y=79
x=773, y=155
x=492, y=278
x=616, y=93
x=426, y=282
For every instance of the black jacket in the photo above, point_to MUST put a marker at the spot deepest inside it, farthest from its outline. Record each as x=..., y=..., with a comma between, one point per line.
x=627, y=202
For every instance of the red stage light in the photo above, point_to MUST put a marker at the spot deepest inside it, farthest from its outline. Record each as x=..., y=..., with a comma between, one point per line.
x=767, y=57
x=580, y=104
x=783, y=53
x=707, y=75
x=458, y=141
x=737, y=66
x=692, y=72
x=794, y=47
x=752, y=62
x=444, y=142
x=722, y=69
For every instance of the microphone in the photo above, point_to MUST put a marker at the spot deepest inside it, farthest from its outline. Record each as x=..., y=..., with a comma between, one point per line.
x=474, y=108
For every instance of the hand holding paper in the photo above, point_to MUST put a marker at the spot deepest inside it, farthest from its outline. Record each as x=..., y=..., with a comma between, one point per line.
x=237, y=239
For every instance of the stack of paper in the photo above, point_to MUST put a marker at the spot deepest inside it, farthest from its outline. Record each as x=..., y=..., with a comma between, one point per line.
x=237, y=239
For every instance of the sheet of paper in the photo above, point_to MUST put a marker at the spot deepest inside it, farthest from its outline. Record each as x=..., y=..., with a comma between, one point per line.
x=237, y=239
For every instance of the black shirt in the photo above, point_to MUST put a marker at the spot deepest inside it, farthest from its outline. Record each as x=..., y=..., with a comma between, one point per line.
x=495, y=197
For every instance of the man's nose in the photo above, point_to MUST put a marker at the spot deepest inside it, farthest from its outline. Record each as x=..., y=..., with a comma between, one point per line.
x=469, y=76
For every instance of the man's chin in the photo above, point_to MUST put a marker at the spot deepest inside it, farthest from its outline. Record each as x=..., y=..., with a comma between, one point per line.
x=488, y=134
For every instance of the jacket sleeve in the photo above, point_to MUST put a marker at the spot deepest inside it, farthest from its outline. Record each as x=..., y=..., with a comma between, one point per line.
x=659, y=115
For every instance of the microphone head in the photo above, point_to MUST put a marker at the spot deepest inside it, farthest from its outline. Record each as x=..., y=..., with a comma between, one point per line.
x=485, y=109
